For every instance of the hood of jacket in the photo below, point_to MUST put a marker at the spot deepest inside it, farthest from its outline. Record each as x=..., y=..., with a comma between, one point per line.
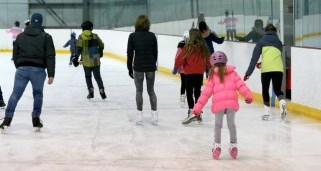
x=33, y=30
x=206, y=33
x=86, y=33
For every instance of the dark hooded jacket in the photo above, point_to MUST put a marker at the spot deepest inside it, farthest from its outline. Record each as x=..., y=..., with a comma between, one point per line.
x=34, y=47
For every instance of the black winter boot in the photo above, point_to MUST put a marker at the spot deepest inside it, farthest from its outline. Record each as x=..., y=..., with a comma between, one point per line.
x=2, y=104
x=36, y=122
x=6, y=123
x=102, y=94
x=90, y=93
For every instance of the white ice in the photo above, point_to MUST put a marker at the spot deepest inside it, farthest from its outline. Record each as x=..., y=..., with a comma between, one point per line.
x=82, y=135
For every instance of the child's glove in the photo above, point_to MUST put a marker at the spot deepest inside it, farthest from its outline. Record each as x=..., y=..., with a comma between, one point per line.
x=75, y=61
x=258, y=65
x=248, y=101
x=175, y=70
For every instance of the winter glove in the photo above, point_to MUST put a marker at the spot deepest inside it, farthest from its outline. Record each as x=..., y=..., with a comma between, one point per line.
x=131, y=74
x=175, y=70
x=246, y=77
x=248, y=101
x=75, y=61
x=258, y=65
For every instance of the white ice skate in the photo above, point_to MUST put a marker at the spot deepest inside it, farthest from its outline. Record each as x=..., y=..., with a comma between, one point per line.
x=139, y=118
x=154, y=117
x=283, y=110
x=266, y=115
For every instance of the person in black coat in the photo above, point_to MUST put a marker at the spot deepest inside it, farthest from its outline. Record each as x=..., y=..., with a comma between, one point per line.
x=33, y=53
x=256, y=34
x=142, y=62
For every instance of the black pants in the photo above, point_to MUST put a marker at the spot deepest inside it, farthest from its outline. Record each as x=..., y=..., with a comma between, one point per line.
x=1, y=97
x=96, y=71
x=193, y=87
x=276, y=78
x=183, y=83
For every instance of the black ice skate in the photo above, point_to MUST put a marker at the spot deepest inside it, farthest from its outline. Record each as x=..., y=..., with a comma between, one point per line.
x=2, y=104
x=191, y=117
x=102, y=94
x=36, y=122
x=5, y=124
x=90, y=93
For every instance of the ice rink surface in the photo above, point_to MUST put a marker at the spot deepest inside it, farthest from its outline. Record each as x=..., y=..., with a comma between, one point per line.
x=83, y=135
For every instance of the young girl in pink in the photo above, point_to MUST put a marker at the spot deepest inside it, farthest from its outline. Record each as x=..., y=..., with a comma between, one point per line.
x=223, y=84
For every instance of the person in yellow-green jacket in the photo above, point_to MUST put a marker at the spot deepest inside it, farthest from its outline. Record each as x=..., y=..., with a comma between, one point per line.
x=90, y=47
x=270, y=48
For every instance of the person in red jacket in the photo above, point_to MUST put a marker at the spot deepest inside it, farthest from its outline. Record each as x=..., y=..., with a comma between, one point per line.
x=195, y=57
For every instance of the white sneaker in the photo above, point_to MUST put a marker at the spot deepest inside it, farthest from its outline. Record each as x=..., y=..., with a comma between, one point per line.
x=154, y=117
x=139, y=117
x=283, y=110
x=266, y=114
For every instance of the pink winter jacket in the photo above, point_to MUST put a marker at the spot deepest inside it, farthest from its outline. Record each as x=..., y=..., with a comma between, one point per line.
x=224, y=94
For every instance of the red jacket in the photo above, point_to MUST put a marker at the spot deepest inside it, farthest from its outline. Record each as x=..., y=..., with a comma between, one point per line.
x=194, y=64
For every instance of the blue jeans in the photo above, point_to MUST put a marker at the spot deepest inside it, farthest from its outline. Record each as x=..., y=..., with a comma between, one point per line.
x=37, y=77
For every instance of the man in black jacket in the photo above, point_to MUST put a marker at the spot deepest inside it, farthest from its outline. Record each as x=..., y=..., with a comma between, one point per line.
x=33, y=52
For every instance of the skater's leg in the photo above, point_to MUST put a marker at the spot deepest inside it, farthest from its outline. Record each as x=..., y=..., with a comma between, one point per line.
x=37, y=78
x=183, y=83
x=277, y=84
x=150, y=81
x=139, y=79
x=88, y=71
x=90, y=87
x=20, y=82
x=218, y=126
x=2, y=104
x=216, y=152
x=97, y=76
x=265, y=80
x=189, y=90
x=1, y=97
x=197, y=85
x=230, y=119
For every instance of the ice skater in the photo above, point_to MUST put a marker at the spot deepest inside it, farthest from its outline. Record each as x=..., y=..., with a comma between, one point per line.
x=72, y=42
x=180, y=70
x=195, y=58
x=33, y=52
x=15, y=31
x=142, y=53
x=272, y=68
x=90, y=47
x=223, y=84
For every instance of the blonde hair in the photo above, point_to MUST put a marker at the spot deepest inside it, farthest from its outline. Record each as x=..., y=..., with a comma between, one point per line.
x=142, y=23
x=221, y=71
x=197, y=44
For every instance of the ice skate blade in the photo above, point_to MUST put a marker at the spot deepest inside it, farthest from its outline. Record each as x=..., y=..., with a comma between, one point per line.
x=3, y=131
x=155, y=123
x=265, y=117
x=38, y=129
x=139, y=123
